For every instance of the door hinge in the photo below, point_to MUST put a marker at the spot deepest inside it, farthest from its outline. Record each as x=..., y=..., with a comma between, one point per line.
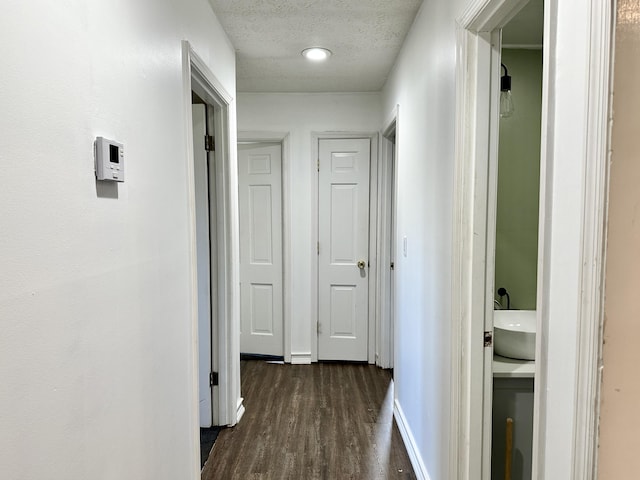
x=392, y=266
x=488, y=339
x=318, y=248
x=213, y=379
x=209, y=143
x=318, y=331
x=318, y=165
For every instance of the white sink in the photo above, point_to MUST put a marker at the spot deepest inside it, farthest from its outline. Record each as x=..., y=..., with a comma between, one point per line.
x=514, y=333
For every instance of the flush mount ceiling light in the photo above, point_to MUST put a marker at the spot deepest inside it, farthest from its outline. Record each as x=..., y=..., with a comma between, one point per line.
x=317, y=54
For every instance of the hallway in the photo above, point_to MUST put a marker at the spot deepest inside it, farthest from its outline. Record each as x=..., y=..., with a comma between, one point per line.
x=320, y=421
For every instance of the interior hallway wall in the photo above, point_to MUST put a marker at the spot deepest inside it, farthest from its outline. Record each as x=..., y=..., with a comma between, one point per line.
x=620, y=416
x=97, y=347
x=423, y=83
x=301, y=115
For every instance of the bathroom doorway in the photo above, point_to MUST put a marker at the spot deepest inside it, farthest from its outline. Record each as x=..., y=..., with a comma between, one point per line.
x=516, y=244
x=572, y=198
x=475, y=231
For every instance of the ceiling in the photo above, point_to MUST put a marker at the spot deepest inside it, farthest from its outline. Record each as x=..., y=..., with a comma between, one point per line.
x=365, y=37
x=526, y=28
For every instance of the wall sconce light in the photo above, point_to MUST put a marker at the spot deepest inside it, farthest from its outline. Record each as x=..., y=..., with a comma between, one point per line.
x=506, y=102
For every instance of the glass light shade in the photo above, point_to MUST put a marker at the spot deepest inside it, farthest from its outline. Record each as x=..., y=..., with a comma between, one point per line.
x=506, y=104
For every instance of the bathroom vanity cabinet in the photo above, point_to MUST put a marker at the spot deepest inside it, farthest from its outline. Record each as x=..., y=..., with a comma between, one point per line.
x=512, y=398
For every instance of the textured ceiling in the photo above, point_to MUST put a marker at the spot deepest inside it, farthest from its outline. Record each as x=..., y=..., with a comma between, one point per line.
x=365, y=37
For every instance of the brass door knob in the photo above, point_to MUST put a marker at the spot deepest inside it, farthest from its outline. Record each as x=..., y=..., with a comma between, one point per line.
x=361, y=264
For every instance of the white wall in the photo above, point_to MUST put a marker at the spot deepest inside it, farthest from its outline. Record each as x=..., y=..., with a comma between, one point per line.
x=423, y=85
x=619, y=415
x=300, y=115
x=96, y=349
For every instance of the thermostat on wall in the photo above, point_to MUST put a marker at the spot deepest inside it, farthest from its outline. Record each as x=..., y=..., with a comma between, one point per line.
x=109, y=157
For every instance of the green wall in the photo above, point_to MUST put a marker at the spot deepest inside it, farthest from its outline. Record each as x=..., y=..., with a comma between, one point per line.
x=519, y=181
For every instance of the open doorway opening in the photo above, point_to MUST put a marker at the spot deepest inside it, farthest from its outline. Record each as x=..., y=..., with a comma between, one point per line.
x=212, y=207
x=516, y=226
x=572, y=190
x=511, y=241
x=476, y=191
x=387, y=244
x=206, y=259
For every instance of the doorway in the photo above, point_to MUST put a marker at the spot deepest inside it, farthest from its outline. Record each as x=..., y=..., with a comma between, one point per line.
x=567, y=289
x=511, y=380
x=343, y=248
x=344, y=233
x=212, y=180
x=282, y=139
x=516, y=241
x=386, y=247
x=206, y=248
x=261, y=249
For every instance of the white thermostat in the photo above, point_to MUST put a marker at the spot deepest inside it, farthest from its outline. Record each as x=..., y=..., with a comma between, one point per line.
x=109, y=160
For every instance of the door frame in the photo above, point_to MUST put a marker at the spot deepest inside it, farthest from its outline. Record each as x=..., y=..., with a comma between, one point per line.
x=387, y=191
x=197, y=77
x=209, y=118
x=584, y=149
x=283, y=138
x=373, y=220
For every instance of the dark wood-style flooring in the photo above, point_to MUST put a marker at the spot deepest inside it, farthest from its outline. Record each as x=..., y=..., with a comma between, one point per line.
x=324, y=421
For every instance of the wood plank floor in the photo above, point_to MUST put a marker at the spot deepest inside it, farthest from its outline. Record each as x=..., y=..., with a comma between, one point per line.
x=323, y=421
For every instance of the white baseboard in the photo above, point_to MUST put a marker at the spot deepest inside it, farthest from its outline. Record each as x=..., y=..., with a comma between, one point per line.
x=410, y=443
x=240, y=410
x=301, y=358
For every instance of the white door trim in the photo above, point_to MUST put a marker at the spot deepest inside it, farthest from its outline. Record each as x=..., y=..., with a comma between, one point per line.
x=198, y=77
x=474, y=189
x=384, y=305
x=471, y=236
x=470, y=232
x=373, y=195
x=594, y=140
x=284, y=139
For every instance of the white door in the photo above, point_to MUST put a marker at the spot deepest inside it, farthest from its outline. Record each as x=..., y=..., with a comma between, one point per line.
x=343, y=249
x=205, y=238
x=260, y=192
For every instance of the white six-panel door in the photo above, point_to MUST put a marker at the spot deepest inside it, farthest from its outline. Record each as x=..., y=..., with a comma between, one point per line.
x=260, y=192
x=343, y=249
